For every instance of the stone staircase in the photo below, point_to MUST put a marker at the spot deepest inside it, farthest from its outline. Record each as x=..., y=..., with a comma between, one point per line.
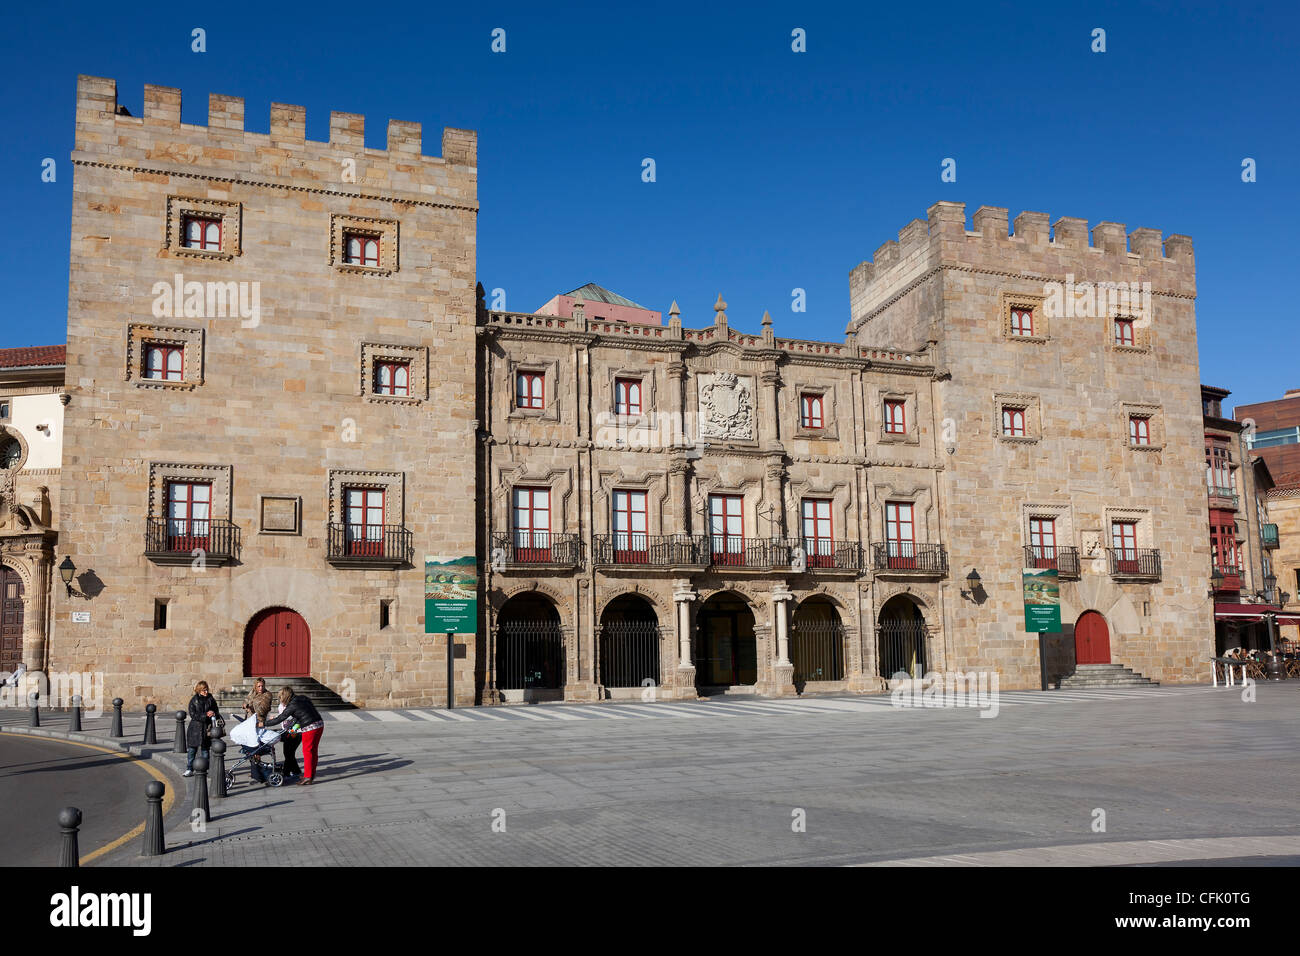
x=231, y=699
x=1104, y=675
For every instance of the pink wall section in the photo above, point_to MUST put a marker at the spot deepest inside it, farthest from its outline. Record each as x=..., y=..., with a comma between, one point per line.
x=562, y=306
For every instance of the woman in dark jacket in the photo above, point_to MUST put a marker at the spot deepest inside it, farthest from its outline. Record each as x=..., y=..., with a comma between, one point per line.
x=203, y=711
x=299, y=712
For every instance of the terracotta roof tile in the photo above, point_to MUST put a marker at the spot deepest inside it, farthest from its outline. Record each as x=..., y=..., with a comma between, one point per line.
x=34, y=355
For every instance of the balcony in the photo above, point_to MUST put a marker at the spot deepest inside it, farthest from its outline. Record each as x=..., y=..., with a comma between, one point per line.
x=1268, y=535
x=368, y=546
x=1221, y=497
x=535, y=549
x=728, y=552
x=824, y=555
x=1064, y=560
x=174, y=541
x=1134, y=564
x=911, y=560
x=633, y=550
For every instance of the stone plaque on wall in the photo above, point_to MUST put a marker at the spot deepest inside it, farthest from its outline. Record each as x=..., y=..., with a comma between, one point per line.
x=727, y=407
x=280, y=514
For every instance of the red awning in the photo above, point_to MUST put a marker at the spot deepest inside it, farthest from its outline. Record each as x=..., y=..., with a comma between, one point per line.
x=1284, y=620
x=1243, y=613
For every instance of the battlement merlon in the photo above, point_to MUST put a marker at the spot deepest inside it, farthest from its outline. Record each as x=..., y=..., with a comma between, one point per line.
x=159, y=140
x=1032, y=247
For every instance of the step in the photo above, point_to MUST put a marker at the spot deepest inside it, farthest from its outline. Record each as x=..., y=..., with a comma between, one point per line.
x=1089, y=676
x=322, y=697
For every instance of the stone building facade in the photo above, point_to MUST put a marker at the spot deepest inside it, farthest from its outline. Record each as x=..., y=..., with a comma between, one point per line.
x=31, y=442
x=271, y=355
x=1067, y=398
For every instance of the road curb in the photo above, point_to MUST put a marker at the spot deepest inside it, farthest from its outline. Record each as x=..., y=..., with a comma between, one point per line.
x=149, y=752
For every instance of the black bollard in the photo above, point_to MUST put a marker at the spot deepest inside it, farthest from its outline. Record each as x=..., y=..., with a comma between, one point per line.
x=154, y=843
x=69, y=823
x=178, y=745
x=74, y=724
x=217, y=779
x=201, y=788
x=117, y=717
x=216, y=732
x=150, y=734
x=35, y=701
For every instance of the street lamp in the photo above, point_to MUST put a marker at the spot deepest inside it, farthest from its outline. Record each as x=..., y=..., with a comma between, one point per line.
x=66, y=570
x=973, y=584
x=1216, y=580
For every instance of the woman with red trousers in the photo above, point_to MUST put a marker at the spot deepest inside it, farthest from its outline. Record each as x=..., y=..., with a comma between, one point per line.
x=300, y=712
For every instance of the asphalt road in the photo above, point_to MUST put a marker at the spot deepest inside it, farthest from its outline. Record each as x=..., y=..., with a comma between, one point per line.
x=39, y=777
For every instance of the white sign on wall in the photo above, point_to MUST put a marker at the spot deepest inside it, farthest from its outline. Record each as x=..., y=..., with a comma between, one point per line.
x=80, y=617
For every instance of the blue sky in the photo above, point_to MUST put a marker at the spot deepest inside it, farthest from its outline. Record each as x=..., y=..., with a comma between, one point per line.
x=774, y=169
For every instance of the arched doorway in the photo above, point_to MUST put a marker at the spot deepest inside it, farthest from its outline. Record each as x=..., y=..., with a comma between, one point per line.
x=629, y=643
x=725, y=651
x=901, y=644
x=816, y=642
x=1091, y=639
x=530, y=645
x=11, y=619
x=277, y=643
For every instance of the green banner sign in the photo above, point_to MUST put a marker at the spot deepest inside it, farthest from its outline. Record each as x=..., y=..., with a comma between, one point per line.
x=450, y=595
x=1042, y=600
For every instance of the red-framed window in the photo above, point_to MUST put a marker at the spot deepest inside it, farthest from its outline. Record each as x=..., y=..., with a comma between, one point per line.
x=363, y=517
x=1123, y=538
x=189, y=515
x=895, y=417
x=900, y=534
x=727, y=528
x=393, y=378
x=359, y=250
x=1042, y=541
x=818, y=535
x=1124, y=332
x=1022, y=321
x=1013, y=421
x=530, y=390
x=811, y=411
x=629, y=522
x=1224, y=553
x=531, y=522
x=164, y=362
x=627, y=396
x=198, y=232
x=1139, y=429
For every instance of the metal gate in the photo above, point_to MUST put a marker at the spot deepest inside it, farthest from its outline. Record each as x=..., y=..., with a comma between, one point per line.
x=530, y=655
x=629, y=653
x=817, y=651
x=901, y=646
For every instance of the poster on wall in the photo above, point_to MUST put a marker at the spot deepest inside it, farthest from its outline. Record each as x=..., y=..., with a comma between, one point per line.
x=1042, y=600
x=450, y=594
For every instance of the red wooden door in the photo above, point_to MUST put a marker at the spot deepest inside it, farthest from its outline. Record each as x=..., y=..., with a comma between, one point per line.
x=278, y=644
x=11, y=619
x=1091, y=639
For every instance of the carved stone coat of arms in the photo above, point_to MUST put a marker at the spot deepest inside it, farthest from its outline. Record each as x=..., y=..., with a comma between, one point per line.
x=727, y=407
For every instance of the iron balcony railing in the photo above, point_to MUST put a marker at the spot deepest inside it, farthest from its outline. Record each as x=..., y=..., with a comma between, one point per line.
x=532, y=548
x=355, y=545
x=824, y=554
x=1134, y=562
x=1064, y=560
x=1268, y=535
x=175, y=540
x=633, y=549
x=908, y=556
x=732, y=551
x=1223, y=495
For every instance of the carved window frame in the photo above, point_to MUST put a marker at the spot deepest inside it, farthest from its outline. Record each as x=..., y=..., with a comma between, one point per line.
x=392, y=483
x=180, y=208
x=1033, y=417
x=138, y=335
x=1155, y=425
x=1140, y=516
x=1061, y=514
x=830, y=429
x=1041, y=320
x=609, y=396
x=220, y=477
x=912, y=433
x=549, y=370
x=385, y=230
x=416, y=358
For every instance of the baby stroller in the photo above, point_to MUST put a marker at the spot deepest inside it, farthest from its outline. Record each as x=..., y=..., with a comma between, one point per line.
x=258, y=742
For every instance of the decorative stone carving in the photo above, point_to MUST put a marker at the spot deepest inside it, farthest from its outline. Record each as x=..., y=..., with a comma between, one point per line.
x=727, y=407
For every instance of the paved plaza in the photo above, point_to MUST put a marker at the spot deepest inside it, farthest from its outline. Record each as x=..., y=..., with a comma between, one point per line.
x=1181, y=773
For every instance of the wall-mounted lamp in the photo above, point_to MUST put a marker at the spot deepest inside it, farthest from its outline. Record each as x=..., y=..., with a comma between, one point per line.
x=66, y=571
x=1216, y=581
x=974, y=586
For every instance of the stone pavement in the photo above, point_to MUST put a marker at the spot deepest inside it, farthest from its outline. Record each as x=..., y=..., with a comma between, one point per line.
x=722, y=782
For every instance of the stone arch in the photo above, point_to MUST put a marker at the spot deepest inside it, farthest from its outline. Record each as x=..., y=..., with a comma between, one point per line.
x=500, y=596
x=24, y=569
x=756, y=606
x=533, y=652
x=662, y=608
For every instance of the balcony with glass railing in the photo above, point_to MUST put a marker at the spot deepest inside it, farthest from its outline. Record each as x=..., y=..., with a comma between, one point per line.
x=1268, y=535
